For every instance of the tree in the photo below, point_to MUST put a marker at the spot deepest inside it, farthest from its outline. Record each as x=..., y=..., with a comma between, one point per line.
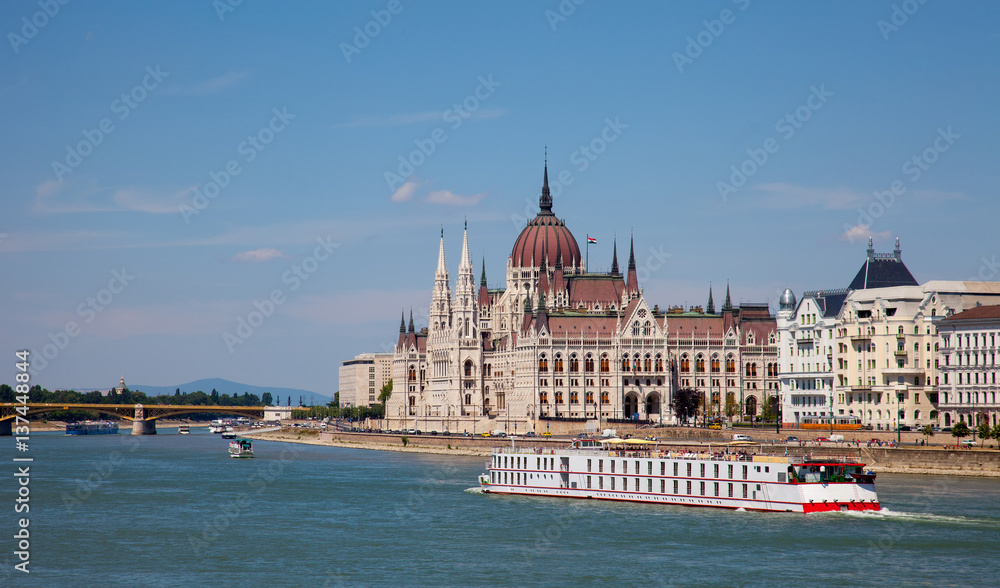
x=6, y=393
x=732, y=407
x=384, y=393
x=769, y=412
x=927, y=431
x=336, y=399
x=267, y=399
x=984, y=430
x=177, y=391
x=289, y=401
x=685, y=403
x=995, y=433
x=960, y=430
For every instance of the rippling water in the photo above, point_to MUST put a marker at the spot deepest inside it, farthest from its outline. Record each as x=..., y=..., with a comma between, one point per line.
x=175, y=510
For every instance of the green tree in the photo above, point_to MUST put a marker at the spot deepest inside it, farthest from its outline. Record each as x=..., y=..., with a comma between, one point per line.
x=960, y=430
x=336, y=399
x=984, y=431
x=685, y=403
x=927, y=431
x=732, y=407
x=384, y=393
x=769, y=411
x=266, y=398
x=6, y=393
x=995, y=433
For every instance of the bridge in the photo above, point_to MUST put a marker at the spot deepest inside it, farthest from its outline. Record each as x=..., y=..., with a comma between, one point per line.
x=143, y=417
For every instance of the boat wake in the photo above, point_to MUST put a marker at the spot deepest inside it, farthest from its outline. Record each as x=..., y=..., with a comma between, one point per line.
x=889, y=514
x=476, y=490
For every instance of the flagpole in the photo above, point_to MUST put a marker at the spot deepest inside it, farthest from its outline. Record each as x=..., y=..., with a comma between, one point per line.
x=587, y=262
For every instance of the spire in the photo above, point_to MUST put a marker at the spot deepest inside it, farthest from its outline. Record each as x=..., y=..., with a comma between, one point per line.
x=728, y=304
x=442, y=267
x=710, y=309
x=871, y=250
x=558, y=255
x=411, y=321
x=545, y=202
x=482, y=278
x=466, y=260
x=631, y=281
x=614, y=259
x=402, y=322
x=897, y=252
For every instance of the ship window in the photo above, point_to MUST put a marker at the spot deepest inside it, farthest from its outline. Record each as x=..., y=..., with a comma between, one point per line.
x=637, y=484
x=624, y=467
x=689, y=471
x=663, y=468
x=716, y=475
x=744, y=490
x=663, y=486
x=730, y=475
x=767, y=469
x=612, y=466
x=649, y=485
x=758, y=486
x=637, y=466
x=588, y=482
x=676, y=490
x=649, y=468
x=675, y=471
x=781, y=477
x=702, y=488
x=730, y=490
x=600, y=482
x=744, y=477
x=702, y=470
x=588, y=469
x=689, y=487
x=612, y=483
x=716, y=488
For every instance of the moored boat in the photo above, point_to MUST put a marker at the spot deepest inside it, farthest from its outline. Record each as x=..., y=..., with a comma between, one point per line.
x=92, y=428
x=183, y=430
x=241, y=448
x=636, y=470
x=229, y=434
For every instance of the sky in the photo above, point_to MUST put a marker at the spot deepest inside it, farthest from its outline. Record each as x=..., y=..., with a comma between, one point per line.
x=255, y=191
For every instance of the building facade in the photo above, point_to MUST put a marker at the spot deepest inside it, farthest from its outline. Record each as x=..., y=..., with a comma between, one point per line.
x=560, y=344
x=362, y=378
x=970, y=342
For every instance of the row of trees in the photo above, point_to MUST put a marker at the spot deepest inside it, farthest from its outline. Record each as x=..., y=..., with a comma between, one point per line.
x=961, y=429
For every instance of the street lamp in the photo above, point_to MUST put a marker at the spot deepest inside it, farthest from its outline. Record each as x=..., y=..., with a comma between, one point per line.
x=898, y=434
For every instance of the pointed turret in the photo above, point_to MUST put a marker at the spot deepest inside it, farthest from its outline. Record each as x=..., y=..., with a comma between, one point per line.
x=543, y=281
x=484, y=293
x=402, y=321
x=728, y=304
x=411, y=327
x=614, y=258
x=545, y=201
x=440, y=310
x=632, y=281
x=897, y=252
x=710, y=309
x=871, y=250
x=465, y=313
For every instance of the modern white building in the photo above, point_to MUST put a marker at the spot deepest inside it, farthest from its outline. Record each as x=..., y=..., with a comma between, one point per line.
x=362, y=378
x=968, y=367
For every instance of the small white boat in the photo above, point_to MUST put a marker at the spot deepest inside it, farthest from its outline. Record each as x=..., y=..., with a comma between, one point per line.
x=241, y=448
x=183, y=430
x=229, y=435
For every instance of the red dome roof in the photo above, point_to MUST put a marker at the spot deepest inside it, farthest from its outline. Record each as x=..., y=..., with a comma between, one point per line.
x=545, y=237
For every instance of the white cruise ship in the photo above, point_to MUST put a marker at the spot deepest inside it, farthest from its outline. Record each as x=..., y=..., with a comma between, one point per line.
x=636, y=470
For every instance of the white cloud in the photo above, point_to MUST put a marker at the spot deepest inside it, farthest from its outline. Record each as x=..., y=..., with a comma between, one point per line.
x=66, y=197
x=784, y=195
x=405, y=192
x=259, y=255
x=862, y=232
x=450, y=198
x=412, y=118
x=209, y=87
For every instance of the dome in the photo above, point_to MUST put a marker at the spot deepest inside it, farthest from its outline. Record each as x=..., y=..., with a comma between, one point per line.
x=545, y=237
x=787, y=300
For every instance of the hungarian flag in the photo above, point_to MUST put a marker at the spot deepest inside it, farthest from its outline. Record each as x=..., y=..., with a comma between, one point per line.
x=592, y=240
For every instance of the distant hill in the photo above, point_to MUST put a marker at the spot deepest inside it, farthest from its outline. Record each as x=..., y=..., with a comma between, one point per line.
x=229, y=388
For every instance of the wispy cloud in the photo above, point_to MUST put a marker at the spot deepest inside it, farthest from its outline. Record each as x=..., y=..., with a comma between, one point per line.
x=861, y=232
x=787, y=196
x=208, y=87
x=405, y=192
x=399, y=120
x=68, y=198
x=259, y=255
x=450, y=198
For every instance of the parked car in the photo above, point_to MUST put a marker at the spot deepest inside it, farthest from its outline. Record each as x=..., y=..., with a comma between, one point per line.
x=792, y=439
x=969, y=443
x=530, y=434
x=546, y=434
x=741, y=437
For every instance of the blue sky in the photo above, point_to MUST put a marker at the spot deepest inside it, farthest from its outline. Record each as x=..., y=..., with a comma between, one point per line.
x=123, y=118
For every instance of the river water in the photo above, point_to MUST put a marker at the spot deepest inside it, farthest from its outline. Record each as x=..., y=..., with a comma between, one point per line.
x=175, y=510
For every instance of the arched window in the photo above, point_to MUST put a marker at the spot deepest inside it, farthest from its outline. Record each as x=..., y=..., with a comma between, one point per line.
x=588, y=363
x=468, y=398
x=605, y=399
x=558, y=367
x=543, y=363
x=605, y=364
x=730, y=365
x=685, y=364
x=659, y=362
x=647, y=330
x=468, y=368
x=574, y=363
x=699, y=364
x=625, y=363
x=647, y=363
x=412, y=374
x=635, y=329
x=715, y=364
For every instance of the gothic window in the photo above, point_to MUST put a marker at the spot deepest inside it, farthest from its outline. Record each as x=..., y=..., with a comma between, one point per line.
x=715, y=364
x=699, y=364
x=574, y=398
x=647, y=330
x=544, y=397
x=625, y=363
x=771, y=339
x=605, y=399
x=647, y=364
x=559, y=397
x=635, y=363
x=588, y=363
x=412, y=375
x=605, y=364
x=659, y=363
x=543, y=364
x=468, y=398
x=501, y=401
x=574, y=363
x=590, y=397
x=685, y=363
x=468, y=368
x=635, y=329
x=558, y=367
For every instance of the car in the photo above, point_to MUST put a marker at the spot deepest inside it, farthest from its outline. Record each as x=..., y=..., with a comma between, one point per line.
x=411, y=431
x=741, y=437
x=466, y=434
x=968, y=443
x=905, y=428
x=546, y=434
x=486, y=434
x=434, y=432
x=530, y=434
x=946, y=430
x=822, y=440
x=792, y=439
x=447, y=433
